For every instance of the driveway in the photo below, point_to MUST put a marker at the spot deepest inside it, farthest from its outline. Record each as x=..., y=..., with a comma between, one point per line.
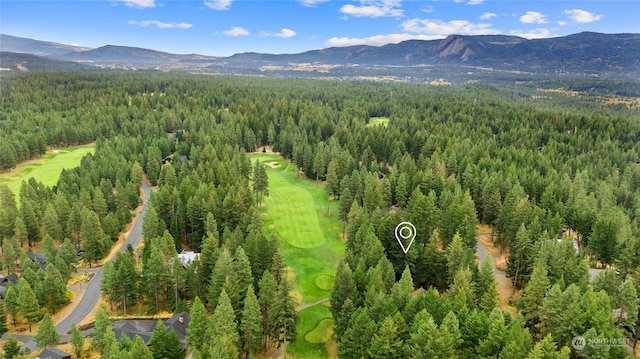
x=504, y=284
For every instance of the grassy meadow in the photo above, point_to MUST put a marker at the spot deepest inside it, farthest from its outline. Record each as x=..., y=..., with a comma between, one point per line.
x=46, y=169
x=296, y=211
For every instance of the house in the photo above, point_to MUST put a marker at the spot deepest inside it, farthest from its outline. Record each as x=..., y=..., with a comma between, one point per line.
x=144, y=328
x=188, y=257
x=13, y=278
x=53, y=353
x=38, y=258
x=179, y=323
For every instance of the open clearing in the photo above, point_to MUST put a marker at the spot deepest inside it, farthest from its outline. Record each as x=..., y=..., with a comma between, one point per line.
x=46, y=169
x=378, y=121
x=296, y=211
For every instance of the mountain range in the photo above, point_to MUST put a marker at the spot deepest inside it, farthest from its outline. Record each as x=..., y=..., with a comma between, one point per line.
x=457, y=58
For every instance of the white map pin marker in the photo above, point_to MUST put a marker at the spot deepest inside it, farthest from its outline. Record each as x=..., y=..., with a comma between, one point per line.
x=405, y=232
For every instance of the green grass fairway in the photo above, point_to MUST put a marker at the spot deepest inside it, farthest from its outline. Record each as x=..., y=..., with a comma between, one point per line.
x=314, y=330
x=296, y=211
x=46, y=169
x=378, y=121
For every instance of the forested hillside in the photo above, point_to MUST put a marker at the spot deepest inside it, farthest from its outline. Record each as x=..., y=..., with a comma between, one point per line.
x=528, y=166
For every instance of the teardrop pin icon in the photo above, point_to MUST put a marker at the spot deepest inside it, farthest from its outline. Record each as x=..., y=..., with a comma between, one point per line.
x=405, y=234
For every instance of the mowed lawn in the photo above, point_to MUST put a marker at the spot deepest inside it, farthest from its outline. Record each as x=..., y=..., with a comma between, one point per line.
x=296, y=211
x=46, y=169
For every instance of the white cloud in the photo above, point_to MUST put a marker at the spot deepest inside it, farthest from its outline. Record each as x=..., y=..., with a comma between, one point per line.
x=470, y=2
x=237, y=31
x=218, y=4
x=311, y=3
x=439, y=27
x=377, y=40
x=534, y=34
x=487, y=16
x=533, y=17
x=374, y=8
x=582, y=16
x=427, y=8
x=285, y=33
x=142, y=4
x=161, y=25
x=562, y=23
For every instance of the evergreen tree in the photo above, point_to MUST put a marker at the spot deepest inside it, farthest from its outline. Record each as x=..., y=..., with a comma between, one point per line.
x=458, y=257
x=267, y=300
x=346, y=200
x=385, y=342
x=93, y=237
x=401, y=191
x=461, y=293
x=222, y=271
x=518, y=341
x=28, y=303
x=197, y=330
x=495, y=341
x=76, y=340
x=223, y=321
x=11, y=300
x=139, y=350
x=158, y=342
x=487, y=287
x=332, y=186
x=8, y=212
x=533, y=295
x=250, y=324
x=451, y=324
x=344, y=288
x=351, y=344
x=3, y=319
x=519, y=260
x=427, y=341
x=242, y=278
x=10, y=253
x=285, y=316
x=47, y=335
x=103, y=323
x=11, y=348
x=546, y=349
x=173, y=348
x=260, y=182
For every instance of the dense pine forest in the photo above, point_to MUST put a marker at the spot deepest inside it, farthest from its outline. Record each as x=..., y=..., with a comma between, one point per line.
x=533, y=165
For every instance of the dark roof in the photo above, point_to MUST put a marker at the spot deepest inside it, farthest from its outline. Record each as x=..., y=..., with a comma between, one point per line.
x=13, y=278
x=179, y=322
x=145, y=336
x=37, y=257
x=53, y=353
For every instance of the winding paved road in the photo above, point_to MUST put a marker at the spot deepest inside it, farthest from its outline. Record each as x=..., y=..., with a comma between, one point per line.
x=92, y=294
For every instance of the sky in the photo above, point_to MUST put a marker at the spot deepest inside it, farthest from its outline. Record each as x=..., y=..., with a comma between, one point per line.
x=226, y=27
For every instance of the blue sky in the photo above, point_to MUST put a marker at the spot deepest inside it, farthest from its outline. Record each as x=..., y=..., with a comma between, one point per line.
x=225, y=27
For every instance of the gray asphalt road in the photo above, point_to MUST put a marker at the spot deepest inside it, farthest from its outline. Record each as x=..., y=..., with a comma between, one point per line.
x=92, y=293
x=504, y=283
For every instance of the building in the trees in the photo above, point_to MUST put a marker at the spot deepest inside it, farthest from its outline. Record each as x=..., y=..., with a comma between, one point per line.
x=53, y=353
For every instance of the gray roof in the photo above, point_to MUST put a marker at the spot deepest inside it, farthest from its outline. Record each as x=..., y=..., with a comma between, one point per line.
x=53, y=353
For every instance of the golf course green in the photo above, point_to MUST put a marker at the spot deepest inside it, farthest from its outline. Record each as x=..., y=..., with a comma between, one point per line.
x=296, y=211
x=46, y=169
